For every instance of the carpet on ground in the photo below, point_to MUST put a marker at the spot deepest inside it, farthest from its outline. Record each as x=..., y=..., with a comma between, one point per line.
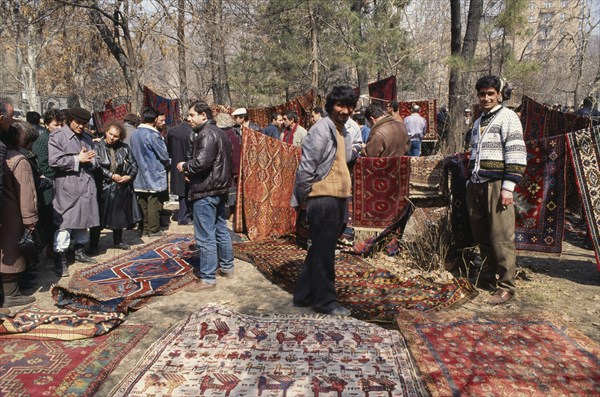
x=169, y=107
x=63, y=368
x=60, y=324
x=266, y=181
x=110, y=114
x=463, y=355
x=540, y=197
x=427, y=177
x=428, y=112
x=219, y=352
x=369, y=292
x=380, y=192
x=540, y=121
x=128, y=282
x=584, y=147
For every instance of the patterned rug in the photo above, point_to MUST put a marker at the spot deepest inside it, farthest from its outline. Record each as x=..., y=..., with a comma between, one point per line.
x=540, y=121
x=266, y=180
x=63, y=368
x=370, y=293
x=383, y=91
x=427, y=177
x=540, y=197
x=36, y=323
x=428, y=112
x=584, y=147
x=110, y=115
x=129, y=281
x=302, y=104
x=217, y=352
x=460, y=355
x=380, y=191
x=169, y=107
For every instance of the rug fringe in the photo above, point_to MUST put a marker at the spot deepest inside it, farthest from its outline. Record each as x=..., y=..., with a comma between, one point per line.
x=363, y=233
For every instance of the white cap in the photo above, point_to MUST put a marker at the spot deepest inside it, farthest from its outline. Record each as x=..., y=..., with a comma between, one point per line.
x=468, y=110
x=239, y=112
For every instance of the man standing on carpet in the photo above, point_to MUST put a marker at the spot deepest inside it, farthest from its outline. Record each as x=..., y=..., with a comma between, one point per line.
x=209, y=172
x=178, y=146
x=498, y=161
x=323, y=185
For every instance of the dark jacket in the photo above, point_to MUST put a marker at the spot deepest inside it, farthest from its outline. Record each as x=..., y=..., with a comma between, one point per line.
x=178, y=145
x=388, y=138
x=118, y=205
x=236, y=152
x=272, y=131
x=209, y=170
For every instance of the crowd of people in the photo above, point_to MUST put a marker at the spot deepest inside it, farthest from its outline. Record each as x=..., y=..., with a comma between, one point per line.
x=65, y=185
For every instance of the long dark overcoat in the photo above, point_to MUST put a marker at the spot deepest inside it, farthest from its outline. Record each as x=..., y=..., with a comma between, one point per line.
x=178, y=146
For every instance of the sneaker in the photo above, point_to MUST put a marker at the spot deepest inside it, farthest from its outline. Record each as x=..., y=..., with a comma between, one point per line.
x=201, y=286
x=226, y=274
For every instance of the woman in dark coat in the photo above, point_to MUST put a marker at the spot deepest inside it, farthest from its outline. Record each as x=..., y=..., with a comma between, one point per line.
x=117, y=202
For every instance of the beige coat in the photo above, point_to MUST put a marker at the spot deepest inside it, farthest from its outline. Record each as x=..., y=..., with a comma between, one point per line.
x=19, y=207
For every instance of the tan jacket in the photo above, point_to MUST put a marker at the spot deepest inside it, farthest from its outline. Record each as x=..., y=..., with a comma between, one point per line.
x=388, y=138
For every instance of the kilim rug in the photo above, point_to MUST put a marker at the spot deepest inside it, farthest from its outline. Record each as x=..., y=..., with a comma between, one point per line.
x=218, y=352
x=169, y=107
x=266, y=181
x=427, y=177
x=63, y=368
x=461, y=355
x=36, y=323
x=370, y=293
x=129, y=281
x=540, y=197
x=110, y=115
x=380, y=191
x=302, y=104
x=540, y=121
x=584, y=147
x=428, y=112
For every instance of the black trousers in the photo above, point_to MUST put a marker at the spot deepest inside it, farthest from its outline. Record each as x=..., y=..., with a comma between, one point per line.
x=316, y=284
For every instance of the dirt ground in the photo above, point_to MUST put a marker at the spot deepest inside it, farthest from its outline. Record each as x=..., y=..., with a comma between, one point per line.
x=566, y=287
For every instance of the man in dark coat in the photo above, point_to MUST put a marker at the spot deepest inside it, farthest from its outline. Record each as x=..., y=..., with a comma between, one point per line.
x=209, y=172
x=178, y=146
x=274, y=128
x=71, y=154
x=388, y=136
x=6, y=120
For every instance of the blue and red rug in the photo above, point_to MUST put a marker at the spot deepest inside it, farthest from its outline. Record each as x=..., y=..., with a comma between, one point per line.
x=129, y=281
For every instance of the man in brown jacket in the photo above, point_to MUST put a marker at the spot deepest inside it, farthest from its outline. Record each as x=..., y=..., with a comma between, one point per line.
x=388, y=137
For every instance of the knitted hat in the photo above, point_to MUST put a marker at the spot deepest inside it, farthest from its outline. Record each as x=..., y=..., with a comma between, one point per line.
x=80, y=114
x=224, y=120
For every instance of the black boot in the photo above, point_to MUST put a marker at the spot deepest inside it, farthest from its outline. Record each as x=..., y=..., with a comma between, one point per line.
x=93, y=249
x=81, y=256
x=60, y=264
x=12, y=293
x=118, y=240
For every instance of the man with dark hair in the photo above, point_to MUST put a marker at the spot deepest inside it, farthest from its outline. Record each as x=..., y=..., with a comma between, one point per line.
x=274, y=128
x=150, y=152
x=317, y=114
x=498, y=161
x=209, y=172
x=131, y=122
x=393, y=109
x=388, y=137
x=71, y=155
x=587, y=110
x=293, y=132
x=323, y=185
x=241, y=119
x=416, y=126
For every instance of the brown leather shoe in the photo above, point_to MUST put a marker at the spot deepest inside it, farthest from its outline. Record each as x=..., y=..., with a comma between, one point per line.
x=201, y=286
x=500, y=297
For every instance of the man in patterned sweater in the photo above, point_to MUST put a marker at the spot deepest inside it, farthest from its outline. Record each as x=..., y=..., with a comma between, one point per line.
x=498, y=160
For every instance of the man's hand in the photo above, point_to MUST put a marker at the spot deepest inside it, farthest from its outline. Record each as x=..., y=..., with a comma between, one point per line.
x=180, y=166
x=86, y=156
x=506, y=198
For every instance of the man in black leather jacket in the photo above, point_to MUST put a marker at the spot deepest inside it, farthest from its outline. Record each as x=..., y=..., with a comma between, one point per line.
x=209, y=171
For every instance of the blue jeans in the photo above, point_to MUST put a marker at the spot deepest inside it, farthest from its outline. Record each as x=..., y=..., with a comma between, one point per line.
x=415, y=148
x=212, y=237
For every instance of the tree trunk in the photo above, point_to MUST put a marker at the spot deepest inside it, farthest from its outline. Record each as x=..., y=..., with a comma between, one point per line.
x=363, y=73
x=314, y=39
x=218, y=64
x=183, y=87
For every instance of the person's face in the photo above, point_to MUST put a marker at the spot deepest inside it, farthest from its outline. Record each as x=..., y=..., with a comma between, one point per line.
x=341, y=113
x=112, y=136
x=54, y=125
x=390, y=110
x=239, y=120
x=488, y=98
x=6, y=121
x=279, y=121
x=315, y=117
x=160, y=122
x=78, y=126
x=287, y=122
x=195, y=118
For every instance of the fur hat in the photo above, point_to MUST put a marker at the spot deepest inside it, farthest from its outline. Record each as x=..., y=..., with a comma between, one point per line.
x=239, y=112
x=80, y=114
x=224, y=120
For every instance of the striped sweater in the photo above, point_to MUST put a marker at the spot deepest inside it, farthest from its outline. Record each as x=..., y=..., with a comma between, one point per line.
x=497, y=148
